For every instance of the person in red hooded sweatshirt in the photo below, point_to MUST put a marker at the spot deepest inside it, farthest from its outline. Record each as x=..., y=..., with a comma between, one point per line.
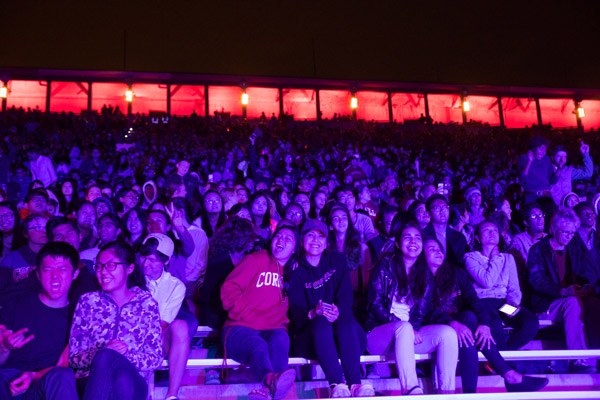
x=255, y=332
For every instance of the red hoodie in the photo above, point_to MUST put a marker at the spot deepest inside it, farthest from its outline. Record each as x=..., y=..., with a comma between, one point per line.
x=252, y=294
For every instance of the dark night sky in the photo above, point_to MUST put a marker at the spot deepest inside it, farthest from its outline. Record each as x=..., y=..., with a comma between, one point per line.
x=526, y=43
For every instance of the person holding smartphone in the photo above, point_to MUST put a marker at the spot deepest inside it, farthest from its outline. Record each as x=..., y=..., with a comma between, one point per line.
x=320, y=301
x=455, y=303
x=497, y=285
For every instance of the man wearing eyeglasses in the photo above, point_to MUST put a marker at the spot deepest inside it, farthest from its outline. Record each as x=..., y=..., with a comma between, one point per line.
x=454, y=242
x=534, y=220
x=558, y=288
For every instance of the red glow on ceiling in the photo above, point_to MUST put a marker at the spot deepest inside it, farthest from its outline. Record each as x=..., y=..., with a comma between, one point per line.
x=109, y=94
x=27, y=94
x=187, y=99
x=301, y=104
x=69, y=97
x=225, y=99
x=519, y=112
x=148, y=97
x=262, y=100
x=484, y=109
x=407, y=106
x=592, y=114
x=560, y=113
x=445, y=108
x=335, y=103
x=373, y=106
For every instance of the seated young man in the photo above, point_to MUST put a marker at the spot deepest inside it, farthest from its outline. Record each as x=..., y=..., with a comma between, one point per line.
x=169, y=293
x=34, y=329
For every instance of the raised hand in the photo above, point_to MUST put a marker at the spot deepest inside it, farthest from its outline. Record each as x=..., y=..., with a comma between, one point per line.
x=16, y=340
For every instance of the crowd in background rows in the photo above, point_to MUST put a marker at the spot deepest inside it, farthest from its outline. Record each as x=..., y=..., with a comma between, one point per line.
x=398, y=219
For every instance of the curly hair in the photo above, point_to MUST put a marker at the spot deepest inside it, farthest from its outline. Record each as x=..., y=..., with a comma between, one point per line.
x=235, y=235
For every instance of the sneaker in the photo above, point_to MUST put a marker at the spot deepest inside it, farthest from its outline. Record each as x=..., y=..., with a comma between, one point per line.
x=362, y=390
x=212, y=377
x=528, y=384
x=581, y=367
x=339, y=390
x=260, y=394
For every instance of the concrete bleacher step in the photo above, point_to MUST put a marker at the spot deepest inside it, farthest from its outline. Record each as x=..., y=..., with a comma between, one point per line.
x=561, y=386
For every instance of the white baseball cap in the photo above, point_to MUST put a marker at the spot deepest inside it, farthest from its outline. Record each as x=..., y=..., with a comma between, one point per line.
x=165, y=244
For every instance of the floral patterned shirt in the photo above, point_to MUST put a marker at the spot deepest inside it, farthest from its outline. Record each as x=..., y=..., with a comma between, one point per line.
x=98, y=320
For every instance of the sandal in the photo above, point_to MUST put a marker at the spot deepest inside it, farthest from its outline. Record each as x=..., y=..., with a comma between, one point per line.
x=281, y=383
x=418, y=389
x=260, y=394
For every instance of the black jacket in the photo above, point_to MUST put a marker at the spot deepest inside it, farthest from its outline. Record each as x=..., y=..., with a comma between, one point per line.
x=463, y=298
x=380, y=294
x=543, y=273
x=329, y=281
x=456, y=244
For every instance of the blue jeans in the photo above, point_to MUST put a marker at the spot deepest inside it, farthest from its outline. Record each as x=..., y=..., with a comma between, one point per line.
x=263, y=351
x=469, y=360
x=114, y=377
x=342, y=340
x=56, y=384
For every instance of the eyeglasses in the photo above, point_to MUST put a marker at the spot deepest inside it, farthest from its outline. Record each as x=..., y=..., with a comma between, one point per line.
x=537, y=216
x=109, y=266
x=438, y=209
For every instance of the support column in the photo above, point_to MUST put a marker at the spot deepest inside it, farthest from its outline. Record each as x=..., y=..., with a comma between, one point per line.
x=89, y=98
x=427, y=117
x=390, y=108
x=318, y=98
x=281, y=104
x=538, y=111
x=48, y=93
x=169, y=99
x=500, y=111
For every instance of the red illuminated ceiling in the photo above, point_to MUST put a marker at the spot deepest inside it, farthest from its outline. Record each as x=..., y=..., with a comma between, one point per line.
x=301, y=104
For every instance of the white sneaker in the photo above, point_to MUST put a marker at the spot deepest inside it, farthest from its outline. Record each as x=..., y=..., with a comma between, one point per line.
x=362, y=390
x=340, y=390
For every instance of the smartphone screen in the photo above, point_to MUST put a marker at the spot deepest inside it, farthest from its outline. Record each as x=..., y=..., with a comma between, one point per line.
x=509, y=309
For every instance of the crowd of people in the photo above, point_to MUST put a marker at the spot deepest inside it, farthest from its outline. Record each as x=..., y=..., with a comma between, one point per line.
x=119, y=236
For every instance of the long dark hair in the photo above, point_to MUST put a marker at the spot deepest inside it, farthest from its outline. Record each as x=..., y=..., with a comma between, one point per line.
x=205, y=222
x=266, y=220
x=352, y=249
x=407, y=283
x=125, y=253
x=444, y=280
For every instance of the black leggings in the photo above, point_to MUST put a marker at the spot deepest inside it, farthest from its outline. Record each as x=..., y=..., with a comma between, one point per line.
x=342, y=340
